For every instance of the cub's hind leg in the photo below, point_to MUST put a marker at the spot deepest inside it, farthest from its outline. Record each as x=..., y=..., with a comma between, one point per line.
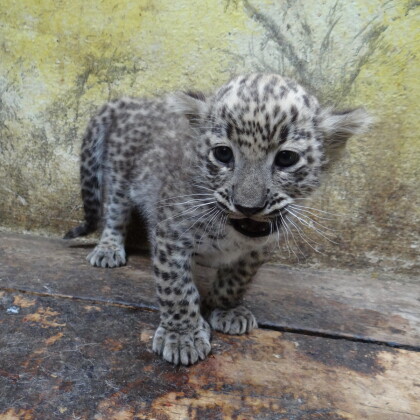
x=110, y=251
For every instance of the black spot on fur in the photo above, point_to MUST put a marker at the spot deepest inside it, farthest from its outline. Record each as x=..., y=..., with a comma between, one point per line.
x=294, y=112
x=284, y=133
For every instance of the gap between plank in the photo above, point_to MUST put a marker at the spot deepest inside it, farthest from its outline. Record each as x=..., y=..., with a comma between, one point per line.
x=263, y=326
x=337, y=336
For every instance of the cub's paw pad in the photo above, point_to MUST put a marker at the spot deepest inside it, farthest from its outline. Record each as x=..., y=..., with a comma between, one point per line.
x=239, y=320
x=107, y=256
x=184, y=348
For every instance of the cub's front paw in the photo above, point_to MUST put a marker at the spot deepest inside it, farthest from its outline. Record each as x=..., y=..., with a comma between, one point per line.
x=107, y=256
x=185, y=347
x=239, y=320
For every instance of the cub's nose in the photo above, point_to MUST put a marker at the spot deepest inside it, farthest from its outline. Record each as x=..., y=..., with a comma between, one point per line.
x=249, y=211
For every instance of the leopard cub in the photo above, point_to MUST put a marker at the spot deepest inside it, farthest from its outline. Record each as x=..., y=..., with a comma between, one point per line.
x=216, y=179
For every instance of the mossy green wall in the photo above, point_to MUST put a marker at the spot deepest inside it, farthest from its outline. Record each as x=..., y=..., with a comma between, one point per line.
x=61, y=59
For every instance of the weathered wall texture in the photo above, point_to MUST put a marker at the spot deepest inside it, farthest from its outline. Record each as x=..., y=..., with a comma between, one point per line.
x=61, y=59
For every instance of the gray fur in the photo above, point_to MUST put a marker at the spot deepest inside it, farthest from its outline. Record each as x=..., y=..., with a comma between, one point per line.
x=159, y=156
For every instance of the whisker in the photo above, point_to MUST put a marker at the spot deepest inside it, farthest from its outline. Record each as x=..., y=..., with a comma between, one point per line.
x=195, y=200
x=321, y=211
x=313, y=214
x=203, y=187
x=220, y=230
x=313, y=221
x=217, y=233
x=314, y=228
x=271, y=232
x=184, y=196
x=278, y=238
x=203, y=215
x=218, y=213
x=190, y=210
x=287, y=236
x=208, y=224
x=296, y=243
x=225, y=220
x=192, y=216
x=303, y=236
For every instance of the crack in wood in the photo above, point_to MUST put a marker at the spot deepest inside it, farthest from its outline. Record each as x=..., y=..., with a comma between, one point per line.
x=337, y=336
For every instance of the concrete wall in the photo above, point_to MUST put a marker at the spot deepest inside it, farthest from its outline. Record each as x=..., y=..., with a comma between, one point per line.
x=60, y=59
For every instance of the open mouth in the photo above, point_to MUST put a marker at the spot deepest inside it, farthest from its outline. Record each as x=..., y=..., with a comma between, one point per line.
x=252, y=228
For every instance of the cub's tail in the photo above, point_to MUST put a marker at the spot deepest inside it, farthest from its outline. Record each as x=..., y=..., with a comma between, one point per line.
x=91, y=176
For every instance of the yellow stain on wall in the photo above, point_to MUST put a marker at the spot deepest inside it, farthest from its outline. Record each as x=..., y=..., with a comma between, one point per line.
x=388, y=85
x=61, y=59
x=173, y=43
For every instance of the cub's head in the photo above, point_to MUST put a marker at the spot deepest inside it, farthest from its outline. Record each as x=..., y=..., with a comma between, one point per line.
x=262, y=142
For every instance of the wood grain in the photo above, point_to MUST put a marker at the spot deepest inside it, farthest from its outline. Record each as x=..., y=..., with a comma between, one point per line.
x=332, y=303
x=63, y=358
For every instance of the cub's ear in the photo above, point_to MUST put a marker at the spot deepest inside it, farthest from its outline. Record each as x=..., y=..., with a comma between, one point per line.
x=337, y=126
x=192, y=104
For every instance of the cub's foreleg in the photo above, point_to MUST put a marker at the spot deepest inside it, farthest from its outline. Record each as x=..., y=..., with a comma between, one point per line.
x=183, y=336
x=110, y=250
x=228, y=314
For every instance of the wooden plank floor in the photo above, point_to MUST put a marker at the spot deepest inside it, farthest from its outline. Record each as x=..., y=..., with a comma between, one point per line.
x=75, y=343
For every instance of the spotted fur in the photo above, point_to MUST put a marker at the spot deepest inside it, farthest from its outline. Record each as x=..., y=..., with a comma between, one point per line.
x=209, y=175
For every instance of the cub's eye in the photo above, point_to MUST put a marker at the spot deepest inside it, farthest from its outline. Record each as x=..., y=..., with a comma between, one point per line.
x=286, y=158
x=223, y=154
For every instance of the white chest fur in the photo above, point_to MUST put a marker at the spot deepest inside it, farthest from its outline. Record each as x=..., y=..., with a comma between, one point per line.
x=218, y=252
